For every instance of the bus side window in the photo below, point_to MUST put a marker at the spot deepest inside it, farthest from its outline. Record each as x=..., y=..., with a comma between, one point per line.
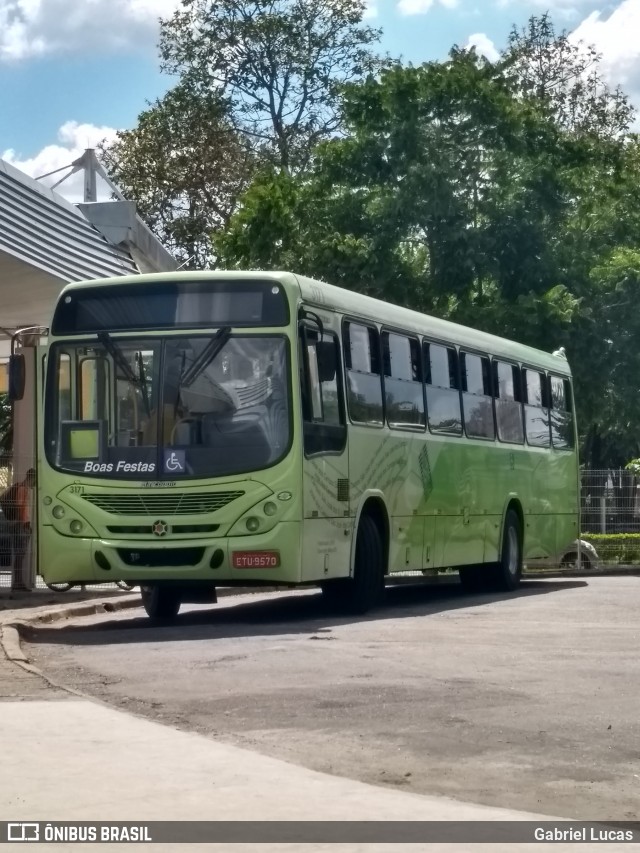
x=322, y=408
x=536, y=410
x=364, y=380
x=404, y=392
x=507, y=384
x=561, y=415
x=477, y=396
x=443, y=388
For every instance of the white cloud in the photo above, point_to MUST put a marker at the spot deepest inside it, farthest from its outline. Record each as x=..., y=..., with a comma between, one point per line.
x=73, y=139
x=616, y=38
x=370, y=10
x=38, y=27
x=483, y=45
x=420, y=7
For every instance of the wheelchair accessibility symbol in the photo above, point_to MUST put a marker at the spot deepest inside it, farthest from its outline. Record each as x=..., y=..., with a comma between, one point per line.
x=174, y=462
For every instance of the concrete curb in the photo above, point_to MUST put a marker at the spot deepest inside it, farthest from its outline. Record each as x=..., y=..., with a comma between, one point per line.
x=10, y=639
x=10, y=629
x=10, y=636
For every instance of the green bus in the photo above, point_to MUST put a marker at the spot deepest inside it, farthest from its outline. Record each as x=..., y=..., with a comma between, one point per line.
x=245, y=428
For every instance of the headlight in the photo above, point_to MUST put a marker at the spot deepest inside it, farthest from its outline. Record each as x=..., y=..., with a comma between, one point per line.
x=58, y=511
x=253, y=524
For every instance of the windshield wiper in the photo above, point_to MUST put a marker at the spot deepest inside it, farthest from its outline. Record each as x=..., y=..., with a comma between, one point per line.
x=120, y=360
x=207, y=355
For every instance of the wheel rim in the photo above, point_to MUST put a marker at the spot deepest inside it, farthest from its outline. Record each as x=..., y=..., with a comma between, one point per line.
x=512, y=551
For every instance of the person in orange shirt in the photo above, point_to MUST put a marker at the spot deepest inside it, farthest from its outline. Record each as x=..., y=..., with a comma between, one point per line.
x=16, y=506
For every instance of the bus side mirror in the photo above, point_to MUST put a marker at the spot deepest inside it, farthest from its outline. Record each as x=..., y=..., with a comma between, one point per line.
x=16, y=377
x=327, y=361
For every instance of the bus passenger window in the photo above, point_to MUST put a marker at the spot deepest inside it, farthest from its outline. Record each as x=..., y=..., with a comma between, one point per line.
x=443, y=394
x=507, y=381
x=324, y=427
x=561, y=415
x=477, y=396
x=536, y=411
x=323, y=390
x=364, y=383
x=404, y=393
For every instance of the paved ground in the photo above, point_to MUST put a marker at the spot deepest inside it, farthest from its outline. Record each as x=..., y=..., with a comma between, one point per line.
x=67, y=758
x=527, y=701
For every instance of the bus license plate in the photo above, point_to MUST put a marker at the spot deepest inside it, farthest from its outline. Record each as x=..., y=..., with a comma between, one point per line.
x=255, y=559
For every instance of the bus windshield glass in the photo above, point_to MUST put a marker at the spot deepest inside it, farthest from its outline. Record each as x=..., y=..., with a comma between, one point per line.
x=163, y=408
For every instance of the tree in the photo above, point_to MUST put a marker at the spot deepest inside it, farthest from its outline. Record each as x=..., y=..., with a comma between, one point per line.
x=185, y=166
x=608, y=363
x=442, y=196
x=565, y=75
x=280, y=64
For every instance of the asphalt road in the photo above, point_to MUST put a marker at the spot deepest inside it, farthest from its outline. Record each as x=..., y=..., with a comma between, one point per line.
x=528, y=701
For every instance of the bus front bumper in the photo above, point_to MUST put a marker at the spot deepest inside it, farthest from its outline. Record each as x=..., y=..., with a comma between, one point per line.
x=274, y=557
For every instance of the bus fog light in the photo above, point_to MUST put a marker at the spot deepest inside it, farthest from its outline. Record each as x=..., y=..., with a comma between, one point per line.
x=76, y=526
x=58, y=511
x=47, y=501
x=270, y=508
x=252, y=523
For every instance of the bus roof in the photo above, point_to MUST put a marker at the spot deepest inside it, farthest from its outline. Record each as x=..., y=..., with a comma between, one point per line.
x=357, y=305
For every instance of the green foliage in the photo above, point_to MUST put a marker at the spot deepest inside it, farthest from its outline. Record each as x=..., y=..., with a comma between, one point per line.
x=564, y=76
x=185, y=167
x=620, y=548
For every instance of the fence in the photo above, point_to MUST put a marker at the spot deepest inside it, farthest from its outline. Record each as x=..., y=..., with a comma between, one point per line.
x=610, y=516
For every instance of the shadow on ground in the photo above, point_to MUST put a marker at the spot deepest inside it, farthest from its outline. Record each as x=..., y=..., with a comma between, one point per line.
x=289, y=613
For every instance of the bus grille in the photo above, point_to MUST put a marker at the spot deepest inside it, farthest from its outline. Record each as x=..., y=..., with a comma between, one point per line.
x=175, y=503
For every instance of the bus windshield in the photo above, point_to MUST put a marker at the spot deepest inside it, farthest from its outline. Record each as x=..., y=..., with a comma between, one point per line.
x=166, y=407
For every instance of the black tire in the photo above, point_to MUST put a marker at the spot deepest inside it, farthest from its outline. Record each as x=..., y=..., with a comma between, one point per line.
x=60, y=587
x=162, y=603
x=476, y=578
x=125, y=585
x=366, y=588
x=508, y=571
x=363, y=591
x=335, y=592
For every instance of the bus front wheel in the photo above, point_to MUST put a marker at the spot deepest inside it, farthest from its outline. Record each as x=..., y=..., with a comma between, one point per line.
x=358, y=594
x=162, y=603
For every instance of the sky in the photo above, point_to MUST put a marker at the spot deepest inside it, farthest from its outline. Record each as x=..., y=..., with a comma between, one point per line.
x=72, y=72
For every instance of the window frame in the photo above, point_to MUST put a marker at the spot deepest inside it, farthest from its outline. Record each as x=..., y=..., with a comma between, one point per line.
x=495, y=360
x=347, y=320
x=448, y=345
x=545, y=395
x=479, y=354
x=410, y=336
x=315, y=428
x=567, y=383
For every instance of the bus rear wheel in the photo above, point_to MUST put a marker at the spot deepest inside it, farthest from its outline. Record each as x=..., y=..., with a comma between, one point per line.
x=162, y=603
x=508, y=571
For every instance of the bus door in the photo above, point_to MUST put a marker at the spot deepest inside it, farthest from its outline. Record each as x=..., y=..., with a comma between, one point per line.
x=326, y=507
